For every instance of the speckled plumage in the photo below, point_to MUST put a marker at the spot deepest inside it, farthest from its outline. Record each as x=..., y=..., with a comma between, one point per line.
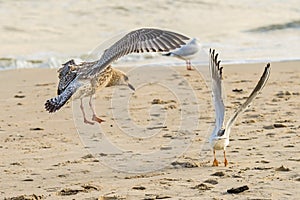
x=84, y=79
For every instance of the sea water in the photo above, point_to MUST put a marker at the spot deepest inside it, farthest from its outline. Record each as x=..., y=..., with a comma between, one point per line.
x=46, y=34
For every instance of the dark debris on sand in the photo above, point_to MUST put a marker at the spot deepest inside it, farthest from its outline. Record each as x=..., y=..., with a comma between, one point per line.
x=20, y=96
x=218, y=174
x=211, y=181
x=36, y=129
x=282, y=169
x=238, y=189
x=185, y=164
x=68, y=191
x=202, y=187
x=138, y=188
x=159, y=101
x=26, y=197
x=156, y=196
x=237, y=90
x=85, y=188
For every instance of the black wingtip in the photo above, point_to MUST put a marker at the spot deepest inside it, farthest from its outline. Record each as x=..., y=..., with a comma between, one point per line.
x=59, y=91
x=221, y=73
x=51, y=106
x=267, y=68
x=216, y=58
x=167, y=54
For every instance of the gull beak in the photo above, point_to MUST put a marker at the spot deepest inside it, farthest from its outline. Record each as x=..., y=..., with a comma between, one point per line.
x=130, y=86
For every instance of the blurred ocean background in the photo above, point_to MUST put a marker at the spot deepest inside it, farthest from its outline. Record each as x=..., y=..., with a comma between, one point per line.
x=46, y=34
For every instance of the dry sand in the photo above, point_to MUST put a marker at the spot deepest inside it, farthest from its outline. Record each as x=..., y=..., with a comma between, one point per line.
x=42, y=153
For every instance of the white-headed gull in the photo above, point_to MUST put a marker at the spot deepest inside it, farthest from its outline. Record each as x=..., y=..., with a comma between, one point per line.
x=186, y=52
x=219, y=138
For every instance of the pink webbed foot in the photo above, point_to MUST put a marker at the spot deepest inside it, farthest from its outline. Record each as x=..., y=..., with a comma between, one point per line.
x=225, y=162
x=215, y=163
x=97, y=119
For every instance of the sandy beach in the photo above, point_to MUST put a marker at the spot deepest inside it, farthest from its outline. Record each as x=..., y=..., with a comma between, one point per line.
x=44, y=156
x=154, y=141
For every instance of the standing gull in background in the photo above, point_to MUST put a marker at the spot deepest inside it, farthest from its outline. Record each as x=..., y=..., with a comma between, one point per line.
x=219, y=138
x=84, y=79
x=186, y=52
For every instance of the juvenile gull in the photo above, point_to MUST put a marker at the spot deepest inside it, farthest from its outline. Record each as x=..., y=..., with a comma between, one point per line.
x=186, y=52
x=219, y=138
x=110, y=77
x=84, y=79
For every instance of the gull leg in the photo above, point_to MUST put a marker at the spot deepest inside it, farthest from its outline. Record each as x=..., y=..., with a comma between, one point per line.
x=225, y=160
x=83, y=113
x=188, y=65
x=215, y=163
x=95, y=118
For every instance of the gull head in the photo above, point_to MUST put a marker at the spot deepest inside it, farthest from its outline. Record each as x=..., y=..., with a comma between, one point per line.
x=119, y=78
x=221, y=132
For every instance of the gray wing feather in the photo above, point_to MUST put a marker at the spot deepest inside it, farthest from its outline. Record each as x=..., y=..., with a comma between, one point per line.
x=217, y=90
x=66, y=76
x=141, y=40
x=260, y=85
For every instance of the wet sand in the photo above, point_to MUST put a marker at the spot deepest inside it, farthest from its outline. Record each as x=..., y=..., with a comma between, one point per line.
x=43, y=157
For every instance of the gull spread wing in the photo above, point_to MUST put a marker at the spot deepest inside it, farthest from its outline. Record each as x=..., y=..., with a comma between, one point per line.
x=69, y=72
x=139, y=41
x=66, y=75
x=260, y=85
x=57, y=102
x=217, y=91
